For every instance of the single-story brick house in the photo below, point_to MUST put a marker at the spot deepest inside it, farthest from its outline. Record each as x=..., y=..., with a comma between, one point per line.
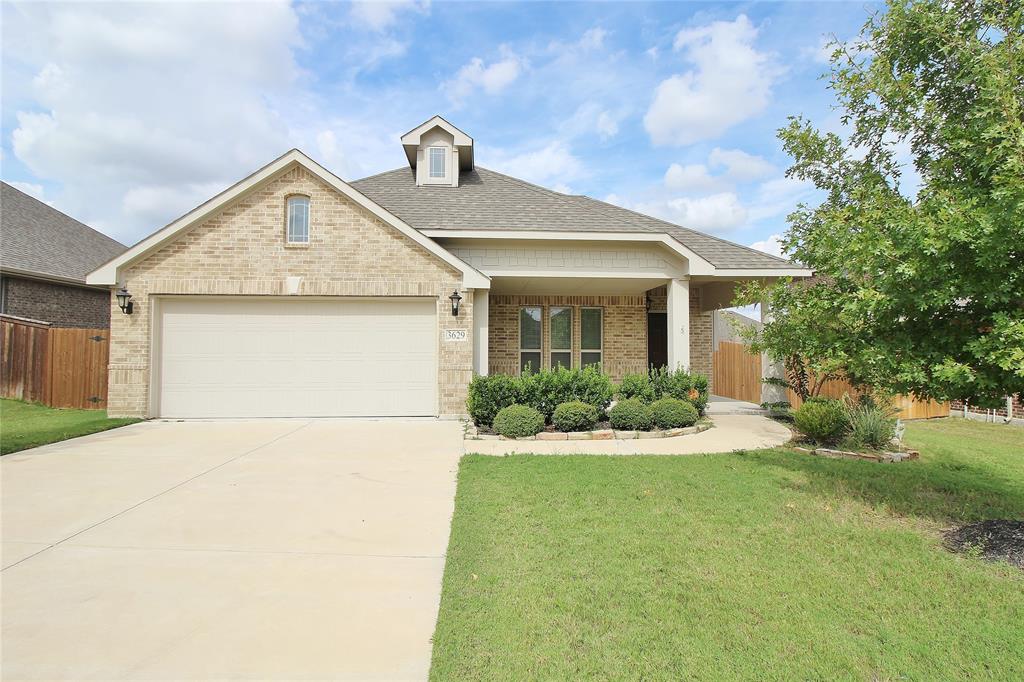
x=45, y=256
x=295, y=293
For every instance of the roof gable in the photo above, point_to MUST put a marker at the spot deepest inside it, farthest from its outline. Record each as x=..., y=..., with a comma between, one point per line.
x=108, y=274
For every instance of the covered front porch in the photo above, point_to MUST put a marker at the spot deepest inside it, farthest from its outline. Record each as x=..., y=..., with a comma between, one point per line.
x=627, y=325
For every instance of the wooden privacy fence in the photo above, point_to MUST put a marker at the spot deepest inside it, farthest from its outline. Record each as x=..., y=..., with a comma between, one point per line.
x=56, y=366
x=736, y=373
x=909, y=407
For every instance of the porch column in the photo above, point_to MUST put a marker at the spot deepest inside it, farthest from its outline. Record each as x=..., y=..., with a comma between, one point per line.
x=481, y=315
x=770, y=393
x=679, y=323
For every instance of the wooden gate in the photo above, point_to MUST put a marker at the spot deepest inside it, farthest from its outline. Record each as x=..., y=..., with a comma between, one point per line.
x=56, y=366
x=736, y=372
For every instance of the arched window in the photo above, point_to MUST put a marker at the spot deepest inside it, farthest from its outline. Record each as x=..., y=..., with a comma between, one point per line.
x=298, y=220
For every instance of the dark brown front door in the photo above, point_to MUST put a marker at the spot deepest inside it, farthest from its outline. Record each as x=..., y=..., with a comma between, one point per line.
x=657, y=339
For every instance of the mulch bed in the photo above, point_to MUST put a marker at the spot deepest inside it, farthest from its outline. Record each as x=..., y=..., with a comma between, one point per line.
x=999, y=539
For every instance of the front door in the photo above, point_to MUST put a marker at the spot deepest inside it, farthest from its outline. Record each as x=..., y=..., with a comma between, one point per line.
x=657, y=339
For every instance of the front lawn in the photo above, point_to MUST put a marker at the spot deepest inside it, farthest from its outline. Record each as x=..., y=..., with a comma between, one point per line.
x=760, y=565
x=27, y=425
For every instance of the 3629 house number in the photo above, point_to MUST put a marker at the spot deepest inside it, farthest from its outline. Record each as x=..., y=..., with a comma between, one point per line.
x=455, y=335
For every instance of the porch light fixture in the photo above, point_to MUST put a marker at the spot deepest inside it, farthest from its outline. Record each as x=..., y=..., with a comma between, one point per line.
x=455, y=299
x=124, y=300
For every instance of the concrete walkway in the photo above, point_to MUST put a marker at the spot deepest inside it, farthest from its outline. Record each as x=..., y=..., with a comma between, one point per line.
x=731, y=432
x=290, y=549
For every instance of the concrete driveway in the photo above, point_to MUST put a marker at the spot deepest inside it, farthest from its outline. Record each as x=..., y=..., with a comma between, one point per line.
x=297, y=549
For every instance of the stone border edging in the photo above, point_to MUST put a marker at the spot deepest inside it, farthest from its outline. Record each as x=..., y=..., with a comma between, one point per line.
x=472, y=433
x=869, y=456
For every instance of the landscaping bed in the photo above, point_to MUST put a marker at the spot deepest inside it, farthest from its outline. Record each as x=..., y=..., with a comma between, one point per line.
x=602, y=431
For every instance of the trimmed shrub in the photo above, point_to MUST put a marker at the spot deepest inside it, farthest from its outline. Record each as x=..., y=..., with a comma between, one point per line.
x=637, y=386
x=682, y=385
x=547, y=389
x=630, y=414
x=489, y=394
x=574, y=415
x=518, y=421
x=672, y=413
x=871, y=426
x=822, y=420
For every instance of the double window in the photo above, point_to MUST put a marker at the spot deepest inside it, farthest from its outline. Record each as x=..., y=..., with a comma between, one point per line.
x=298, y=220
x=560, y=331
x=436, y=159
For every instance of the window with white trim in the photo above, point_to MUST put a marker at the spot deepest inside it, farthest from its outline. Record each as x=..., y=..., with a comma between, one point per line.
x=298, y=220
x=591, y=336
x=529, y=339
x=436, y=158
x=560, y=330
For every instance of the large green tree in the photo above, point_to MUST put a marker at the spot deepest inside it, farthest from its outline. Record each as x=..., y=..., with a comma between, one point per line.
x=919, y=290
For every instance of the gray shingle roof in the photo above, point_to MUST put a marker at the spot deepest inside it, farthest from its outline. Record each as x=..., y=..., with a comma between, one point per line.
x=38, y=239
x=486, y=200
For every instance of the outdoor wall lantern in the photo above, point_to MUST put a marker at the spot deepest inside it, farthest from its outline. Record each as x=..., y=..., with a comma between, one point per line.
x=455, y=299
x=124, y=300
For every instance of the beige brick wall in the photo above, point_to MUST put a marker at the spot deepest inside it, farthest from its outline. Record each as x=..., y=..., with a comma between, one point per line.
x=242, y=251
x=701, y=324
x=625, y=331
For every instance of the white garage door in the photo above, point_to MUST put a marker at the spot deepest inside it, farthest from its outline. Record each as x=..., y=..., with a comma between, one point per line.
x=248, y=357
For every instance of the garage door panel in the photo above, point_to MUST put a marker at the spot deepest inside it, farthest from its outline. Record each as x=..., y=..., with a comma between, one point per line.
x=246, y=357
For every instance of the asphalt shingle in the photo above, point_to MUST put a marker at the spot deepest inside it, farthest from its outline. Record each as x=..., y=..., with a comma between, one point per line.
x=40, y=240
x=486, y=200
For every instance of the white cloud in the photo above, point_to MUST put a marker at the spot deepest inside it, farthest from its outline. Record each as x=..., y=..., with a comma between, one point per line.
x=30, y=188
x=492, y=78
x=552, y=165
x=607, y=125
x=150, y=96
x=380, y=15
x=690, y=178
x=593, y=38
x=730, y=82
x=771, y=244
x=739, y=165
x=719, y=212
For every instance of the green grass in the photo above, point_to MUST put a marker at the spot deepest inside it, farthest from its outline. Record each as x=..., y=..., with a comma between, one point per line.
x=760, y=565
x=26, y=425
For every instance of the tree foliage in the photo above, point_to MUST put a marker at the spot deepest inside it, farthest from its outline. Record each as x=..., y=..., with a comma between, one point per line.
x=915, y=291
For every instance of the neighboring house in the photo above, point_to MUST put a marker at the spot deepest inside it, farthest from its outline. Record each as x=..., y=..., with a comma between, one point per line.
x=44, y=258
x=294, y=293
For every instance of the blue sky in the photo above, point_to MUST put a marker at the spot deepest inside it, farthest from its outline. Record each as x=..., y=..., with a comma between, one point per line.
x=126, y=116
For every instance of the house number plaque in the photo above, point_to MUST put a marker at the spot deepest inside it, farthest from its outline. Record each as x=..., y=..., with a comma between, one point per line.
x=455, y=335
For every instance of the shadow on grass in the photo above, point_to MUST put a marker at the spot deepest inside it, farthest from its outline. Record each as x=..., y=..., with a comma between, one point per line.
x=943, y=490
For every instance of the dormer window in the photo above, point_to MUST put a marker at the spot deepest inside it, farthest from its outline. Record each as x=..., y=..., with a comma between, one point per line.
x=437, y=155
x=298, y=220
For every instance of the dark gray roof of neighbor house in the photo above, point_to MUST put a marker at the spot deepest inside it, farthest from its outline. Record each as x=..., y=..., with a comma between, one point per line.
x=40, y=240
x=486, y=200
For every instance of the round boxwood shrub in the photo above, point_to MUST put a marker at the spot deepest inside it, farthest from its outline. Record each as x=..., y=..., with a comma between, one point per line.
x=518, y=421
x=630, y=414
x=574, y=415
x=672, y=413
x=822, y=420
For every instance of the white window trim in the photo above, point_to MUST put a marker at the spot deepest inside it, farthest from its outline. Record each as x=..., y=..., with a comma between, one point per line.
x=288, y=219
x=551, y=344
x=442, y=154
x=519, y=331
x=599, y=351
